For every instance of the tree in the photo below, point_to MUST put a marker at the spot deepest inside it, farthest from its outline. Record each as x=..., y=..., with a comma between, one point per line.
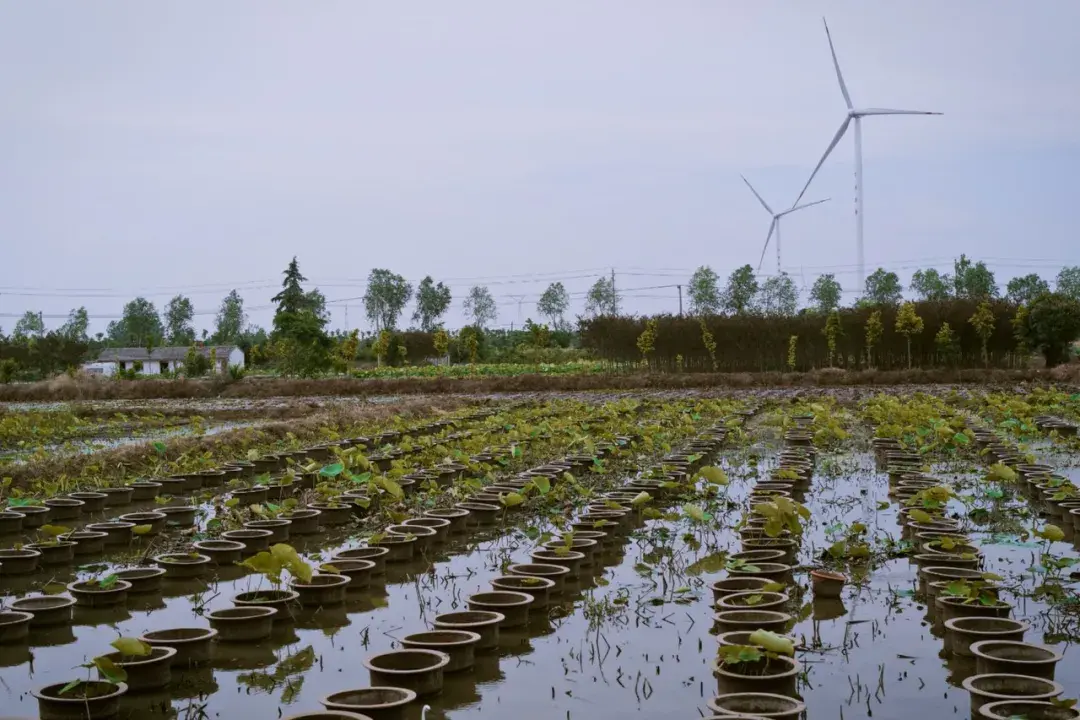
x=740, y=291
x=179, y=314
x=973, y=281
x=441, y=341
x=908, y=323
x=602, y=298
x=386, y=296
x=140, y=325
x=1051, y=325
x=646, y=341
x=833, y=331
x=1024, y=289
x=704, y=292
x=1068, y=282
x=432, y=302
x=883, y=288
x=299, y=340
x=778, y=296
x=30, y=325
x=946, y=343
x=929, y=284
x=231, y=319
x=76, y=326
x=553, y=304
x=382, y=345
x=539, y=334
x=983, y=321
x=481, y=306
x=709, y=342
x=874, y=330
x=825, y=294
x=792, y=352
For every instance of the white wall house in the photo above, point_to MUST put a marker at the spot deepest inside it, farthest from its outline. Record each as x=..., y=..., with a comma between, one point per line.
x=161, y=359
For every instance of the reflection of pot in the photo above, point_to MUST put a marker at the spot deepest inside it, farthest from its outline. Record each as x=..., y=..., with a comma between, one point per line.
x=828, y=608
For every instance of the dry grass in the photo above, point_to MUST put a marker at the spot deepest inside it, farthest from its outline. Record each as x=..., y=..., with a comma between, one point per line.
x=139, y=459
x=87, y=388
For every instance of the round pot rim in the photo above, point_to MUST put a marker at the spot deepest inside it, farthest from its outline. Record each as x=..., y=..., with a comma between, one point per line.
x=519, y=599
x=118, y=587
x=170, y=559
x=779, y=598
x=494, y=618
x=147, y=572
x=569, y=555
x=247, y=533
x=797, y=706
x=166, y=653
x=120, y=689
x=794, y=668
x=425, y=531
x=208, y=634
x=777, y=616
x=955, y=623
x=214, y=545
x=828, y=575
x=407, y=696
x=23, y=552
x=22, y=617
x=989, y=707
x=549, y=569
x=52, y=602
x=145, y=515
x=977, y=649
x=439, y=661
x=969, y=685
x=278, y=595
x=110, y=524
x=716, y=584
x=254, y=612
x=333, y=580
x=544, y=583
x=467, y=637
x=962, y=602
x=364, y=565
x=375, y=551
x=273, y=522
x=84, y=535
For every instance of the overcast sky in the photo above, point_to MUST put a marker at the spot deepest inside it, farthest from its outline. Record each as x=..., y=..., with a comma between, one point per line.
x=151, y=147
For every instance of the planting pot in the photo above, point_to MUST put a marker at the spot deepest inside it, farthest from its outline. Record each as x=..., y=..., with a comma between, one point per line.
x=458, y=517
x=776, y=572
x=1027, y=709
x=254, y=541
x=250, y=496
x=753, y=557
x=538, y=588
x=459, y=645
x=20, y=562
x=11, y=522
x=177, y=565
x=248, y=623
x=376, y=555
x=150, y=672
x=742, y=637
x=1001, y=656
x=179, y=515
x=441, y=526
x=281, y=600
x=327, y=715
x=221, y=552
x=962, y=632
x=116, y=496
x=399, y=548
x=571, y=560
x=425, y=536
x=733, y=585
x=280, y=490
x=514, y=606
x=116, y=532
x=481, y=512
x=588, y=548
x=59, y=552
x=144, y=490
x=304, y=521
x=753, y=601
x=47, y=610
x=758, y=705
x=949, y=607
x=143, y=579
x=104, y=702
x=557, y=574
x=827, y=584
x=483, y=623
x=33, y=516
x=279, y=529
x=750, y=620
x=936, y=573
x=65, y=508
x=87, y=542
x=90, y=594
x=321, y=590
x=941, y=560
x=418, y=670
x=376, y=703
x=774, y=675
x=333, y=513
x=358, y=572
x=93, y=502
x=14, y=626
x=192, y=644
x=985, y=689
x=156, y=520
x=214, y=478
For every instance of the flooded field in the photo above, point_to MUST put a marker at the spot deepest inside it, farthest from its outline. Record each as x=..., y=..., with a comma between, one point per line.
x=662, y=497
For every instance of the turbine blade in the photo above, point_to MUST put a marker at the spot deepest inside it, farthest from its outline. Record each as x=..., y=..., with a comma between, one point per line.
x=887, y=111
x=772, y=226
x=760, y=199
x=836, y=64
x=804, y=205
x=835, y=140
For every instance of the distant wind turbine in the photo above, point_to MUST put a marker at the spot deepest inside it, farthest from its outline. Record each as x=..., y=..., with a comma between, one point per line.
x=856, y=115
x=775, y=224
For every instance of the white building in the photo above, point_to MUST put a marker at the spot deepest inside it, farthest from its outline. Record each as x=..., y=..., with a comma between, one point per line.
x=161, y=359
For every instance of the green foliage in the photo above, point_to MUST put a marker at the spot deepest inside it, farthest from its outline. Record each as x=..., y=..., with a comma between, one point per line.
x=709, y=343
x=825, y=293
x=1050, y=325
x=441, y=340
x=833, y=330
x=908, y=323
x=930, y=285
x=647, y=339
x=1024, y=289
x=883, y=288
x=602, y=298
x=179, y=314
x=30, y=325
x=231, y=319
x=792, y=348
x=704, y=292
x=432, y=302
x=76, y=326
x=777, y=296
x=480, y=305
x=300, y=345
x=973, y=281
x=740, y=291
x=1068, y=282
x=984, y=322
x=553, y=304
x=469, y=337
x=139, y=326
x=945, y=340
x=386, y=296
x=196, y=364
x=874, y=330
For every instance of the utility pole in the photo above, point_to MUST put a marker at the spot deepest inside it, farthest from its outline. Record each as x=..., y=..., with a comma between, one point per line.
x=346, y=317
x=680, y=299
x=614, y=295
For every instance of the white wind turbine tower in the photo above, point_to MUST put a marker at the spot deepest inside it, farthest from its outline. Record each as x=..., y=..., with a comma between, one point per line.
x=854, y=116
x=775, y=224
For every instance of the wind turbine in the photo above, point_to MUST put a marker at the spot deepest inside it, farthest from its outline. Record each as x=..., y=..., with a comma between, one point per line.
x=775, y=224
x=854, y=116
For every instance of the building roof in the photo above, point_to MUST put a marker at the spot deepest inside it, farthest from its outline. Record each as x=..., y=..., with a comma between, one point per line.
x=170, y=354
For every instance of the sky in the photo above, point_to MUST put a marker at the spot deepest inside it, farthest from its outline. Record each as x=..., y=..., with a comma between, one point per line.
x=150, y=148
